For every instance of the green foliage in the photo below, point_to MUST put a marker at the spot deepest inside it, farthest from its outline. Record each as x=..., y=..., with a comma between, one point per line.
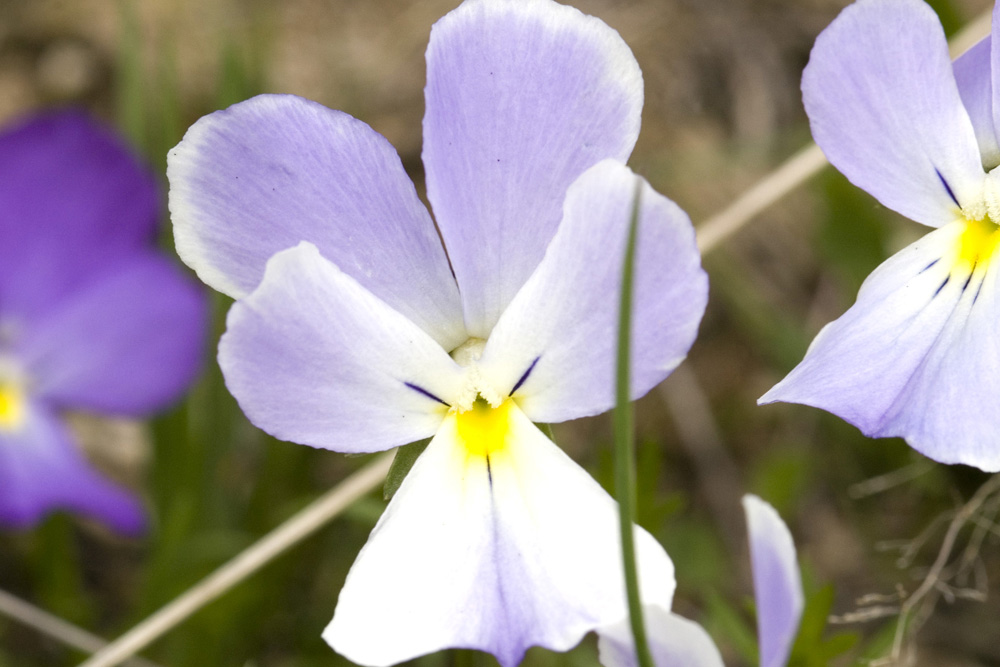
x=812, y=648
x=853, y=235
x=726, y=622
x=405, y=457
x=216, y=484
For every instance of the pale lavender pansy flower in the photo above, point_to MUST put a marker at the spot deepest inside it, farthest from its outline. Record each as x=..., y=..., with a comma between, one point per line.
x=353, y=332
x=917, y=356
x=675, y=641
x=92, y=317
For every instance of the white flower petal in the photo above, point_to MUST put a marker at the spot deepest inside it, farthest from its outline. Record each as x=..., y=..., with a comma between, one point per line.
x=674, y=641
x=313, y=357
x=563, y=324
x=496, y=540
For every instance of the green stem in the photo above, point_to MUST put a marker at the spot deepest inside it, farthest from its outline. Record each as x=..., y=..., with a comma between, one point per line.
x=625, y=442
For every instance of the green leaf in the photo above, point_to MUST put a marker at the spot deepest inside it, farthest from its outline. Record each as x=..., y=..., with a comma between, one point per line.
x=406, y=456
x=810, y=649
x=725, y=621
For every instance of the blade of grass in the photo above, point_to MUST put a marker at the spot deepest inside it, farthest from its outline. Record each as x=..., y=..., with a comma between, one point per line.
x=291, y=532
x=625, y=441
x=130, y=79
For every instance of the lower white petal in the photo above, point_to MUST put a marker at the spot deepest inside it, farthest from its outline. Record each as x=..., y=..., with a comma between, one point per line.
x=674, y=641
x=496, y=541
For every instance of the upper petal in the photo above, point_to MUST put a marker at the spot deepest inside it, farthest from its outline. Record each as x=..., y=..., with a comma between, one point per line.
x=554, y=348
x=73, y=199
x=41, y=471
x=776, y=581
x=127, y=343
x=674, y=641
x=522, y=97
x=917, y=355
x=884, y=107
x=275, y=170
x=974, y=78
x=499, y=551
x=315, y=358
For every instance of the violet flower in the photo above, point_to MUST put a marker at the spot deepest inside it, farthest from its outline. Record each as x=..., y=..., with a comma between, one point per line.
x=92, y=318
x=675, y=641
x=353, y=332
x=917, y=356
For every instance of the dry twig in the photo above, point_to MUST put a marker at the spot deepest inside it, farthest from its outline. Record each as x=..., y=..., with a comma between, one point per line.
x=28, y=614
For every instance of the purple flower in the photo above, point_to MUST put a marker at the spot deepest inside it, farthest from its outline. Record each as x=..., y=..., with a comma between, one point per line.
x=675, y=641
x=92, y=318
x=917, y=356
x=354, y=331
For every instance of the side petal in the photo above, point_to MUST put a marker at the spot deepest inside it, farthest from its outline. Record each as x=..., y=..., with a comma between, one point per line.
x=41, y=472
x=126, y=344
x=884, y=107
x=499, y=552
x=776, y=581
x=265, y=174
x=315, y=358
x=916, y=356
x=522, y=97
x=72, y=199
x=674, y=641
x=993, y=77
x=974, y=78
x=554, y=348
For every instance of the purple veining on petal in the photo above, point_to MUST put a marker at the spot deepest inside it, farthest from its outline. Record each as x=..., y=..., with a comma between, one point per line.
x=947, y=187
x=307, y=317
x=517, y=385
x=421, y=390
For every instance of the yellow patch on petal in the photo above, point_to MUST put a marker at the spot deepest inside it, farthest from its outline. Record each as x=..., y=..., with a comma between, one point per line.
x=484, y=430
x=12, y=407
x=978, y=242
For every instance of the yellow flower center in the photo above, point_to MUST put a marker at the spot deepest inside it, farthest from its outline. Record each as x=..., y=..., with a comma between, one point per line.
x=484, y=429
x=978, y=242
x=12, y=407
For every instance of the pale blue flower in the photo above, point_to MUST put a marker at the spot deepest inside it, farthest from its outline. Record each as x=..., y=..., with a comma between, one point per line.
x=355, y=331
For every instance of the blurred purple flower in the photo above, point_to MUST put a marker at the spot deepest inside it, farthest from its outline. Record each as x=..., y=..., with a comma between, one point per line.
x=92, y=317
x=917, y=356
x=353, y=331
x=675, y=641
